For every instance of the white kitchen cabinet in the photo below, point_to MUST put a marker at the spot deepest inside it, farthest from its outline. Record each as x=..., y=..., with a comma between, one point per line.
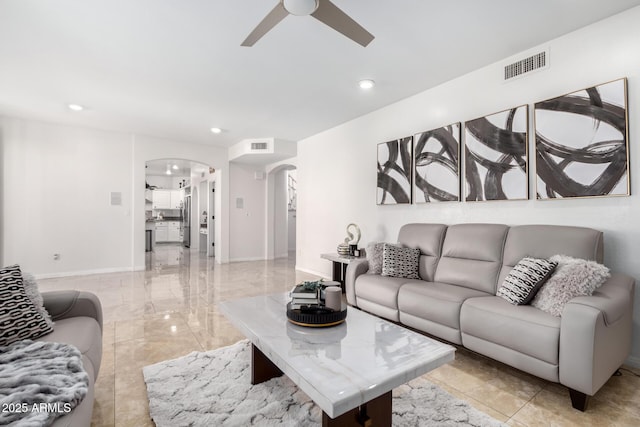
x=173, y=231
x=162, y=232
x=176, y=199
x=161, y=199
x=168, y=231
x=167, y=199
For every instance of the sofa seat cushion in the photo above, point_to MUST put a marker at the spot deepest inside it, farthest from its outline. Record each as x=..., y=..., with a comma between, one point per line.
x=435, y=301
x=82, y=332
x=522, y=328
x=382, y=290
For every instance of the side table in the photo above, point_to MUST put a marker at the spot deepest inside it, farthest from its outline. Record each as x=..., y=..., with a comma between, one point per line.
x=340, y=263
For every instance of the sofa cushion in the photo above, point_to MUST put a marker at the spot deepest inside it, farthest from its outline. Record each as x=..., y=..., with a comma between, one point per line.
x=526, y=278
x=19, y=317
x=522, y=328
x=428, y=238
x=544, y=241
x=472, y=256
x=573, y=277
x=379, y=289
x=82, y=332
x=435, y=301
x=400, y=262
x=379, y=294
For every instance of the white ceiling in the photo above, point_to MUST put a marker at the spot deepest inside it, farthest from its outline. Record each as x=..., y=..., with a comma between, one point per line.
x=174, y=69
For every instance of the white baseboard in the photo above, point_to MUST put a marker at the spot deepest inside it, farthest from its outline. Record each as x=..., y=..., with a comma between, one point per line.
x=633, y=361
x=315, y=273
x=87, y=272
x=247, y=259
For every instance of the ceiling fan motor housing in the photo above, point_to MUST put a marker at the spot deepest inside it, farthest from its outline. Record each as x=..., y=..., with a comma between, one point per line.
x=300, y=7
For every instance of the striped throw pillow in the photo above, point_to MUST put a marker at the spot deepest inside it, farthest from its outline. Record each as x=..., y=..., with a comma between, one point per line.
x=525, y=279
x=19, y=318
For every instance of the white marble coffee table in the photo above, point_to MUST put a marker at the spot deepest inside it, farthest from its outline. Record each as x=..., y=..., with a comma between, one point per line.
x=348, y=370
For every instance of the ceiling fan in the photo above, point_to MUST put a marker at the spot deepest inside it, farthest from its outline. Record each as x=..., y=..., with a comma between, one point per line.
x=323, y=10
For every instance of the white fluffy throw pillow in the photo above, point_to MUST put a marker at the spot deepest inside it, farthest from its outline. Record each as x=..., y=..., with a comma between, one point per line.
x=573, y=277
x=374, y=256
x=32, y=291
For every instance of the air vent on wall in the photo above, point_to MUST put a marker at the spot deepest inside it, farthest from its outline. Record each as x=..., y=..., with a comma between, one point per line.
x=534, y=62
x=259, y=146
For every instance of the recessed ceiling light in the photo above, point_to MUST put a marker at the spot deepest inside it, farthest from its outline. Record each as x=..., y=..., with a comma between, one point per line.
x=75, y=107
x=175, y=167
x=216, y=130
x=366, y=84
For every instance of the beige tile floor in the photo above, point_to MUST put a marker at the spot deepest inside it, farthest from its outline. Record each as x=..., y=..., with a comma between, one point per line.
x=171, y=310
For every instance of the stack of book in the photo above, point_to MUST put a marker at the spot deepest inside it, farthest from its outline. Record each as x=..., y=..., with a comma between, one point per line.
x=303, y=297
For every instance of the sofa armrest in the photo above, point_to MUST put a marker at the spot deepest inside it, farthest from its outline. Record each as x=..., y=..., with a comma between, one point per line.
x=612, y=298
x=595, y=335
x=71, y=303
x=354, y=269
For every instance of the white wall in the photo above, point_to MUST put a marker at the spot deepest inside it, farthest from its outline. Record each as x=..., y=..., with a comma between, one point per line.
x=337, y=168
x=56, y=186
x=247, y=224
x=56, y=182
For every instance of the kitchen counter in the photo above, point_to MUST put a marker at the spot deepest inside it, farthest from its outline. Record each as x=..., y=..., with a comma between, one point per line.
x=169, y=218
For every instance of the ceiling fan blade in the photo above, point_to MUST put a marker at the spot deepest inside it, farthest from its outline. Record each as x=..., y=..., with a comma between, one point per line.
x=276, y=15
x=329, y=14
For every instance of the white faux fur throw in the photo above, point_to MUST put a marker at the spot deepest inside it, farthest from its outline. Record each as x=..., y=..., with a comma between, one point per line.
x=40, y=381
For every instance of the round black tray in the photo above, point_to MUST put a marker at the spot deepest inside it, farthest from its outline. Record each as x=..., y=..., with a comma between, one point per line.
x=316, y=317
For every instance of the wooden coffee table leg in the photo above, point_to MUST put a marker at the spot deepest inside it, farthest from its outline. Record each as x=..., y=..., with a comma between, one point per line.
x=376, y=412
x=262, y=369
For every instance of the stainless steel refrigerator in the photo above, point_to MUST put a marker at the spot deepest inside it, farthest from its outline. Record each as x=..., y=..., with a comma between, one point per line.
x=186, y=221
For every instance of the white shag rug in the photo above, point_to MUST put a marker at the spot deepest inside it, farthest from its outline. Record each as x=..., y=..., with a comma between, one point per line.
x=214, y=389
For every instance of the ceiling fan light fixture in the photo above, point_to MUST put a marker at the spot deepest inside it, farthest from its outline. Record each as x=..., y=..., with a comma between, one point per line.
x=366, y=84
x=300, y=7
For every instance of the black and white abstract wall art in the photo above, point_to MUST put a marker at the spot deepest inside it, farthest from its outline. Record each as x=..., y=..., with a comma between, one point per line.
x=496, y=156
x=582, y=143
x=437, y=165
x=394, y=171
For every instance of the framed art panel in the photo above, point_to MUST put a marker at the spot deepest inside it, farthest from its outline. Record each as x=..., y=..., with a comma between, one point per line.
x=436, y=176
x=582, y=143
x=394, y=172
x=496, y=156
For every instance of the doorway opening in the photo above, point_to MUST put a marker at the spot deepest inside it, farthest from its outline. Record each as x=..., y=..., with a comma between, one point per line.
x=282, y=212
x=180, y=206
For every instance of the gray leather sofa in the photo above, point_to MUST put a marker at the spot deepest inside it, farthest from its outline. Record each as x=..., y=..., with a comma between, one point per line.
x=463, y=265
x=78, y=321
